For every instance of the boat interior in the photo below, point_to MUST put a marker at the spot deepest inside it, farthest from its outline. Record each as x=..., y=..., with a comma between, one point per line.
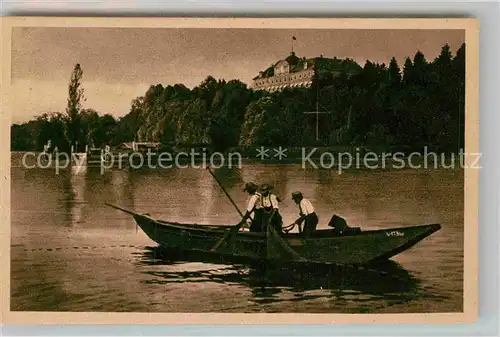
x=324, y=232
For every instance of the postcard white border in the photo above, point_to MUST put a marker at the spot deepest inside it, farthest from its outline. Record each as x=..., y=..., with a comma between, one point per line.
x=469, y=315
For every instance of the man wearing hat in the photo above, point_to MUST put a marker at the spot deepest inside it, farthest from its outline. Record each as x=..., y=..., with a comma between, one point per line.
x=271, y=214
x=254, y=206
x=307, y=214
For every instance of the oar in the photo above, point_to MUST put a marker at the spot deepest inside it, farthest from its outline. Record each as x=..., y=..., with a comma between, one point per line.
x=233, y=229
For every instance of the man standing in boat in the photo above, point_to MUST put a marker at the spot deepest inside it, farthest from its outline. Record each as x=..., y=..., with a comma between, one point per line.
x=271, y=215
x=307, y=214
x=254, y=206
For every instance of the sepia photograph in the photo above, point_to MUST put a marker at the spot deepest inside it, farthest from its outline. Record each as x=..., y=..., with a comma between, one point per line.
x=274, y=170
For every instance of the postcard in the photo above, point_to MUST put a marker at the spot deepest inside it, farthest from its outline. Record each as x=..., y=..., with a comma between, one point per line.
x=239, y=170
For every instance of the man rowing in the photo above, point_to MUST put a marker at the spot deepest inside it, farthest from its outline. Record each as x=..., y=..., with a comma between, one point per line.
x=270, y=215
x=254, y=207
x=307, y=214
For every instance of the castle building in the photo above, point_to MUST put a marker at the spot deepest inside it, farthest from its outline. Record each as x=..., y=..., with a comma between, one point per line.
x=293, y=72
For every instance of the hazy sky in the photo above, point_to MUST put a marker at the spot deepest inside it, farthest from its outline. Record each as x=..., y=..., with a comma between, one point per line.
x=120, y=64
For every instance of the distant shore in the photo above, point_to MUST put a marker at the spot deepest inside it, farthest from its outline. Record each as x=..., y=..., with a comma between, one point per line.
x=324, y=158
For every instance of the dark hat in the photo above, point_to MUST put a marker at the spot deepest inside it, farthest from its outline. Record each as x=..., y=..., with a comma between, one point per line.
x=264, y=188
x=296, y=195
x=250, y=187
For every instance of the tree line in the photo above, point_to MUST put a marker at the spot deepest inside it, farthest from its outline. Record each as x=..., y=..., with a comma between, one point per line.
x=387, y=107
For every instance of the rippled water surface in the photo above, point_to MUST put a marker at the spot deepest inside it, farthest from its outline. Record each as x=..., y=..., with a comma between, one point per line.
x=70, y=252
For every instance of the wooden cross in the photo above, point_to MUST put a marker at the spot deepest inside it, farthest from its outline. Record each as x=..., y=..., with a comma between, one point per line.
x=317, y=113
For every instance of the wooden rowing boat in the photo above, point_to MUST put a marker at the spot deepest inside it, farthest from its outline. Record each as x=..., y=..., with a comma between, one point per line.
x=325, y=246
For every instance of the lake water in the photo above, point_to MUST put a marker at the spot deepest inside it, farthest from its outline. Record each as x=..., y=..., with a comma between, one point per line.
x=70, y=252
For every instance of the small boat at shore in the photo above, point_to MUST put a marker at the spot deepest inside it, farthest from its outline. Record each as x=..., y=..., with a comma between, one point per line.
x=325, y=246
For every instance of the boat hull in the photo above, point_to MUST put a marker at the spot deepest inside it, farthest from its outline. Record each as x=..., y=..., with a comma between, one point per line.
x=324, y=247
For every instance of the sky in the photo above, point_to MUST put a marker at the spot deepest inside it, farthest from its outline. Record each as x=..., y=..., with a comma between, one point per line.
x=119, y=64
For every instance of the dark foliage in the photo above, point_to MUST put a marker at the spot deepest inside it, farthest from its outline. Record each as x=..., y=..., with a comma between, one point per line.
x=379, y=106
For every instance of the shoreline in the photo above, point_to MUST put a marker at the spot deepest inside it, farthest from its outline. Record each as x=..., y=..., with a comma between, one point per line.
x=288, y=153
x=36, y=160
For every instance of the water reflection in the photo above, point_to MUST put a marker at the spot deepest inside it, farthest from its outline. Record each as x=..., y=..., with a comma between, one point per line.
x=122, y=185
x=267, y=284
x=83, y=192
x=211, y=198
x=231, y=176
x=73, y=195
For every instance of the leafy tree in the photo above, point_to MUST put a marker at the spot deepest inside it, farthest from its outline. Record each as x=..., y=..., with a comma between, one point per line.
x=73, y=119
x=227, y=113
x=373, y=105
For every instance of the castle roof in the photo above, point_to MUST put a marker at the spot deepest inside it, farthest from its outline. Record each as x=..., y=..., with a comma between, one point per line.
x=297, y=64
x=292, y=59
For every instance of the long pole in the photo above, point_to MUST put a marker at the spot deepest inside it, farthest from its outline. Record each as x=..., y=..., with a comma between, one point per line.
x=232, y=229
x=460, y=107
x=317, y=114
x=225, y=192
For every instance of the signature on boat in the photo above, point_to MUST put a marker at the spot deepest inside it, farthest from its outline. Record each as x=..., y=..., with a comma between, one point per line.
x=395, y=233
